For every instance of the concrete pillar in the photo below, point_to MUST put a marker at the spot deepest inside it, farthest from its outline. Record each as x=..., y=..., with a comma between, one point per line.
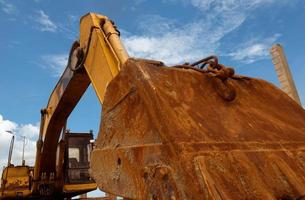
x=283, y=72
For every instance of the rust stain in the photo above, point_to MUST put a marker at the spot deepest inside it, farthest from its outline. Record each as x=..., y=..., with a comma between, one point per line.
x=173, y=133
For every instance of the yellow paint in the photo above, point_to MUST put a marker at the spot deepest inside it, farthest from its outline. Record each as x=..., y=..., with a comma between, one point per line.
x=79, y=187
x=105, y=57
x=16, y=181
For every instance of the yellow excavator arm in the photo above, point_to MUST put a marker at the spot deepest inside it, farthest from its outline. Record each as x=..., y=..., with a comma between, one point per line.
x=96, y=58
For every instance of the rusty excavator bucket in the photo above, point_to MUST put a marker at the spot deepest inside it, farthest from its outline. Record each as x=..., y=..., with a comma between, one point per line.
x=189, y=133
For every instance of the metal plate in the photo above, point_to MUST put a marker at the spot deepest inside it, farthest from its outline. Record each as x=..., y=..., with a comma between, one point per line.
x=167, y=133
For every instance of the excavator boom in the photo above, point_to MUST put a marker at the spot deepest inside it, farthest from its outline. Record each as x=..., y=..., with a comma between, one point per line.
x=95, y=59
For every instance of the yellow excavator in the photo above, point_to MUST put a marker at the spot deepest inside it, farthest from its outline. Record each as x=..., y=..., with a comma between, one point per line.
x=192, y=131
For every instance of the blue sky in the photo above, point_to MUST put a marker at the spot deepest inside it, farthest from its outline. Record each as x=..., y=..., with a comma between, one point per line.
x=35, y=38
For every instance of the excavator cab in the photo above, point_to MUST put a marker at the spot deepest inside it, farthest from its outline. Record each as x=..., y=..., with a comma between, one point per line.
x=78, y=150
x=77, y=162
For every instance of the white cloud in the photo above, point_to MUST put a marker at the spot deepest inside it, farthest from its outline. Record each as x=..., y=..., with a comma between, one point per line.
x=69, y=27
x=174, y=42
x=45, y=24
x=253, y=50
x=30, y=131
x=8, y=8
x=73, y=18
x=177, y=44
x=171, y=48
x=56, y=63
x=139, y=1
x=227, y=5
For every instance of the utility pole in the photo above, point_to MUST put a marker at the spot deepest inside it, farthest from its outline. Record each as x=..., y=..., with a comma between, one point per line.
x=283, y=72
x=9, y=160
x=23, y=161
x=12, y=147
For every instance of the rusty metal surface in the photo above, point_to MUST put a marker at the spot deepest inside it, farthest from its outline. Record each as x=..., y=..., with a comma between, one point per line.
x=168, y=133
